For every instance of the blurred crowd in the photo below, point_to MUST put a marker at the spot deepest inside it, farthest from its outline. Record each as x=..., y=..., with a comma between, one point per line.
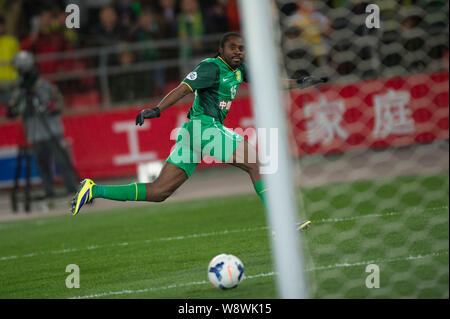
x=322, y=32
x=39, y=25
x=332, y=35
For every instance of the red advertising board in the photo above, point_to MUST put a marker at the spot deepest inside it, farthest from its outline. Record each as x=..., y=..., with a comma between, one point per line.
x=378, y=113
x=332, y=118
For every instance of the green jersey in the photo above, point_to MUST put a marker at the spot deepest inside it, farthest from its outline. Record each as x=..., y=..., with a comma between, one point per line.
x=215, y=85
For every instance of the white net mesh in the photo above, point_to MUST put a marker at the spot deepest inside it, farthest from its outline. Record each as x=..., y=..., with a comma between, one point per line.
x=371, y=145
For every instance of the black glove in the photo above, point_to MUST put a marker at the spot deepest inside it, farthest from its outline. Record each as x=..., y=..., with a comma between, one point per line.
x=306, y=81
x=147, y=114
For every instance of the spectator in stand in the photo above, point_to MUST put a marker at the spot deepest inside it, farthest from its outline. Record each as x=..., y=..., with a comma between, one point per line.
x=108, y=31
x=313, y=26
x=9, y=47
x=93, y=8
x=125, y=86
x=128, y=12
x=413, y=38
x=11, y=11
x=150, y=28
x=217, y=18
x=46, y=39
x=191, y=28
x=233, y=16
x=170, y=18
x=71, y=35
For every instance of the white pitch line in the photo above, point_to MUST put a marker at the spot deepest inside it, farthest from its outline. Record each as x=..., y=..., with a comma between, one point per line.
x=379, y=261
x=224, y=232
x=343, y=219
x=124, y=244
x=270, y=274
x=127, y=291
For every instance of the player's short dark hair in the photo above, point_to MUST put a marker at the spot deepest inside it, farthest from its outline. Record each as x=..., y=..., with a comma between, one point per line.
x=225, y=37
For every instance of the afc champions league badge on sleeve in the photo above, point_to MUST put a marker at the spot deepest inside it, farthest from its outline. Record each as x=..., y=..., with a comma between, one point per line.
x=192, y=76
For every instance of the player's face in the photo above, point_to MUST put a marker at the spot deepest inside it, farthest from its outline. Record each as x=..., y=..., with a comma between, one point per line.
x=233, y=51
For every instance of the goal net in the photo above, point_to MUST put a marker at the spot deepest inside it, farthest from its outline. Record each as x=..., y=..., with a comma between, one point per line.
x=370, y=146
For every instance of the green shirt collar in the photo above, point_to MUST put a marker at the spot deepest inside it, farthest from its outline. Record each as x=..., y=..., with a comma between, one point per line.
x=234, y=70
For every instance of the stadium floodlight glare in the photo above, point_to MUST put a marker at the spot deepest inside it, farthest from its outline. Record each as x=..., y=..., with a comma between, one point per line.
x=269, y=108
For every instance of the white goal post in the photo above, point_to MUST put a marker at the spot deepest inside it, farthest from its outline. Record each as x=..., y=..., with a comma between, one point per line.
x=259, y=37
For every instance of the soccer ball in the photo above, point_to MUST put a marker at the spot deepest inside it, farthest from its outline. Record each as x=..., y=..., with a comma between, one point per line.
x=225, y=271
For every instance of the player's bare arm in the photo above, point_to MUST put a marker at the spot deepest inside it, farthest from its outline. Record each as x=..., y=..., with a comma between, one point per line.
x=170, y=99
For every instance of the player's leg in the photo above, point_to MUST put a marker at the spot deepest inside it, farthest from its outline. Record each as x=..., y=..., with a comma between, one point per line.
x=168, y=181
x=179, y=166
x=236, y=151
x=170, y=178
x=245, y=157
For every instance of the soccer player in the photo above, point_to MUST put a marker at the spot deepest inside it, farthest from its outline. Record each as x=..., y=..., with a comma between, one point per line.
x=214, y=82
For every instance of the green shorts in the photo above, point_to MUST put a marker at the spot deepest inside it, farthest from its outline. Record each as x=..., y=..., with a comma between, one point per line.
x=203, y=136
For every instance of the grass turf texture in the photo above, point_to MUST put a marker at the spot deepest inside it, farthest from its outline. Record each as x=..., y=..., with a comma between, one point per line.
x=162, y=250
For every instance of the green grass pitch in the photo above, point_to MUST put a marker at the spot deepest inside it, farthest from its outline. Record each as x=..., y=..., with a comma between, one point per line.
x=162, y=250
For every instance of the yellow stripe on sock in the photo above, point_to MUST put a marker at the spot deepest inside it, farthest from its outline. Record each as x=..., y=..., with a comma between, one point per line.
x=262, y=191
x=136, y=191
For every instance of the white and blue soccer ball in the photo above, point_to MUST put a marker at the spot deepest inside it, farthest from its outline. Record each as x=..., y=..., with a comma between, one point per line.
x=225, y=271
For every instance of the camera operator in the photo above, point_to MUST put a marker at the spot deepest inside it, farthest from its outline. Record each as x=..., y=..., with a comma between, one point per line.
x=39, y=103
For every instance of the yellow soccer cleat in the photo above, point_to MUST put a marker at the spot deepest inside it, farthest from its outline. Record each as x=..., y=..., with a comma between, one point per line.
x=304, y=225
x=83, y=196
x=300, y=227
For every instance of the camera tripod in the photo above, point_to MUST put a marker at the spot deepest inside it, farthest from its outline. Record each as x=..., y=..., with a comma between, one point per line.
x=23, y=154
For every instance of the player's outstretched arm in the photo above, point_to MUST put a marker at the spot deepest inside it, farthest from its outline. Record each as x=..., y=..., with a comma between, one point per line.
x=303, y=82
x=170, y=99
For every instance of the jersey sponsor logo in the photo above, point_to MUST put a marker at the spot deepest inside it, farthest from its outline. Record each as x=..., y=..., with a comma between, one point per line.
x=192, y=76
x=225, y=105
x=238, y=75
x=225, y=79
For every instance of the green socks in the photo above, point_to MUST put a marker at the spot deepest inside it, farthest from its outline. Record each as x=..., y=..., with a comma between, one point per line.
x=134, y=192
x=138, y=192
x=260, y=189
